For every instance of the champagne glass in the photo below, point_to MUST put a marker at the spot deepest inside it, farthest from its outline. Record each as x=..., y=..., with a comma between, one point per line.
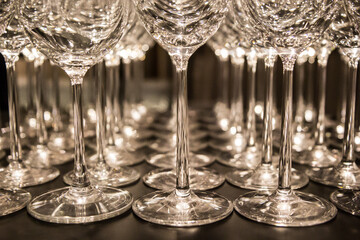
x=17, y=174
x=75, y=35
x=10, y=200
x=181, y=27
x=346, y=174
x=288, y=27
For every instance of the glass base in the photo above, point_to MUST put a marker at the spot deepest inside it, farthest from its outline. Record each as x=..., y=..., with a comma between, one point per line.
x=247, y=159
x=117, y=157
x=167, y=160
x=13, y=200
x=166, y=145
x=80, y=205
x=107, y=176
x=172, y=209
x=264, y=177
x=318, y=156
x=285, y=209
x=17, y=176
x=348, y=201
x=61, y=141
x=237, y=143
x=42, y=156
x=200, y=179
x=344, y=175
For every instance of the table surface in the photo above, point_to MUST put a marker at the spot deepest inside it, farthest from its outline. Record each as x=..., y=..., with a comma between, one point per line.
x=21, y=225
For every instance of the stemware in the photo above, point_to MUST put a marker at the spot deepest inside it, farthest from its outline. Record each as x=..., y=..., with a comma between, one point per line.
x=265, y=175
x=75, y=35
x=101, y=173
x=17, y=174
x=289, y=27
x=181, y=27
x=40, y=154
x=345, y=174
x=319, y=155
x=10, y=200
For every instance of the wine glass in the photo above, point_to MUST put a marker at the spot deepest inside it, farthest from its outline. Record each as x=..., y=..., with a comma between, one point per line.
x=101, y=173
x=265, y=175
x=319, y=155
x=17, y=174
x=346, y=174
x=288, y=27
x=75, y=35
x=40, y=154
x=10, y=200
x=181, y=27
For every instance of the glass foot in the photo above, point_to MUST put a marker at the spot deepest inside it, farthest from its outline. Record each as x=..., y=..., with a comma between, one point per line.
x=61, y=141
x=264, y=177
x=200, y=179
x=247, y=159
x=116, y=157
x=42, y=156
x=107, y=176
x=172, y=209
x=348, y=201
x=166, y=145
x=80, y=205
x=13, y=200
x=167, y=160
x=237, y=143
x=318, y=156
x=17, y=176
x=285, y=209
x=345, y=175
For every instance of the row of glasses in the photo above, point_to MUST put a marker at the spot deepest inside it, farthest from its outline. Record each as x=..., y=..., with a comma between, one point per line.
x=75, y=36
x=288, y=28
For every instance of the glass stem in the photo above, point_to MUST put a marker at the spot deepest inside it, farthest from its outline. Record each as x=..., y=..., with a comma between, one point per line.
x=117, y=101
x=15, y=143
x=237, y=105
x=111, y=70
x=223, y=80
x=250, y=120
x=346, y=69
x=57, y=124
x=128, y=98
x=286, y=122
x=320, y=105
x=300, y=106
x=182, y=132
x=30, y=74
x=81, y=179
x=268, y=109
x=348, y=141
x=138, y=70
x=100, y=112
x=39, y=100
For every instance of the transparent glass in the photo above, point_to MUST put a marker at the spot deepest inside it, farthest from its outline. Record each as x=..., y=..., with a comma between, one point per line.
x=319, y=155
x=182, y=206
x=75, y=35
x=40, y=155
x=346, y=174
x=17, y=174
x=288, y=27
x=101, y=174
x=265, y=175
